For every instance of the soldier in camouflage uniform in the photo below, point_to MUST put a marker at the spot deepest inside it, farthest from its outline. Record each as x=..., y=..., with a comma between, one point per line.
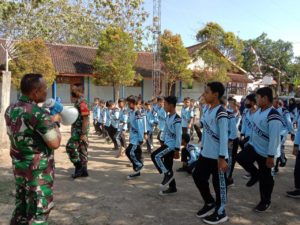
x=33, y=135
x=78, y=143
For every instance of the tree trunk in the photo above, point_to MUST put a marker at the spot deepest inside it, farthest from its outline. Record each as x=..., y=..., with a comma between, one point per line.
x=5, y=101
x=117, y=92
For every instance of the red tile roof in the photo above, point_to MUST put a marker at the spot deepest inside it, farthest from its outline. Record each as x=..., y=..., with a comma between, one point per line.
x=78, y=60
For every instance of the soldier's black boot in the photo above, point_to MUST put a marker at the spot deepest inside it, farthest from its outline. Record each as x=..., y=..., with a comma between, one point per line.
x=78, y=170
x=84, y=171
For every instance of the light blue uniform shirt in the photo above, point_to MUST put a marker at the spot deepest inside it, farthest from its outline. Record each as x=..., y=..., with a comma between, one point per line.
x=107, y=118
x=265, y=137
x=151, y=117
x=115, y=117
x=297, y=137
x=136, y=127
x=194, y=153
x=96, y=112
x=233, y=131
x=215, y=133
x=173, y=132
x=186, y=114
x=123, y=119
x=247, y=123
x=102, y=114
x=288, y=126
x=161, y=115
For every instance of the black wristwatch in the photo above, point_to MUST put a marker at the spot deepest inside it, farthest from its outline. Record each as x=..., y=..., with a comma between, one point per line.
x=57, y=124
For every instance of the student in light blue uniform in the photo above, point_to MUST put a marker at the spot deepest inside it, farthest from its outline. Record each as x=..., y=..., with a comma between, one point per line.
x=213, y=156
x=161, y=115
x=114, y=123
x=193, y=117
x=232, y=139
x=263, y=147
x=151, y=117
x=247, y=120
x=189, y=154
x=293, y=110
x=288, y=128
x=122, y=127
x=96, y=115
x=163, y=156
x=296, y=152
x=107, y=122
x=143, y=113
x=133, y=151
x=187, y=116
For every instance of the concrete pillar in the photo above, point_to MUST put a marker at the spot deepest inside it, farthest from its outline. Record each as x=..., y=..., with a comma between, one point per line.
x=5, y=101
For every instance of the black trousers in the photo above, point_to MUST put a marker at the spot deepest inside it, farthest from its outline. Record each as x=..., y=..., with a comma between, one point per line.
x=243, y=143
x=185, y=155
x=134, y=154
x=112, y=132
x=204, y=168
x=297, y=172
x=235, y=147
x=105, y=131
x=163, y=161
x=184, y=130
x=246, y=159
x=120, y=139
x=97, y=126
x=198, y=131
x=159, y=137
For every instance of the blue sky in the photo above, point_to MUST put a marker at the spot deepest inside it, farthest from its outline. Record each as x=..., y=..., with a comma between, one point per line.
x=247, y=18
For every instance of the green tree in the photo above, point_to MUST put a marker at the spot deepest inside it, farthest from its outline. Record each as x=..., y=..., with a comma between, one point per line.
x=32, y=57
x=115, y=60
x=218, y=47
x=72, y=22
x=229, y=44
x=175, y=60
x=270, y=53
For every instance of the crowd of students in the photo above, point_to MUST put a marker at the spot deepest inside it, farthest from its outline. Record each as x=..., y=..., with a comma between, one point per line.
x=259, y=127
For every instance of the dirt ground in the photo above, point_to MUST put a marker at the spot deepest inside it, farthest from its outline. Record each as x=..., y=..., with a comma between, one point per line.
x=107, y=198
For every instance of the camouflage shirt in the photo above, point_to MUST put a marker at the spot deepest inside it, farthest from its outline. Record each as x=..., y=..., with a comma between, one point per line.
x=27, y=126
x=83, y=108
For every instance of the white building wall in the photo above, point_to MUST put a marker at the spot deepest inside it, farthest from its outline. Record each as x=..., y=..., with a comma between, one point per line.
x=147, y=89
x=63, y=91
x=195, y=92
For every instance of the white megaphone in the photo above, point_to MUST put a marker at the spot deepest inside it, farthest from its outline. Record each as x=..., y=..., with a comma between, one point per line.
x=68, y=115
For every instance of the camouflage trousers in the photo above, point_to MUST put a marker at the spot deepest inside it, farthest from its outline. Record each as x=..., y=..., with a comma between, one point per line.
x=34, y=197
x=77, y=150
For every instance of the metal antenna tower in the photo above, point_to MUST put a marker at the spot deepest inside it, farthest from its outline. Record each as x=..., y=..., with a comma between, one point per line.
x=156, y=81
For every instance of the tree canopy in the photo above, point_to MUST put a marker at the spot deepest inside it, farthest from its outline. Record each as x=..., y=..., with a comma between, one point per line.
x=115, y=60
x=175, y=60
x=32, y=57
x=227, y=42
x=72, y=22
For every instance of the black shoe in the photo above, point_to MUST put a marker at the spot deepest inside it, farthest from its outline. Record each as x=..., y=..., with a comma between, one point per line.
x=78, y=170
x=252, y=181
x=293, y=194
x=181, y=169
x=133, y=175
x=230, y=182
x=168, y=191
x=167, y=179
x=84, y=171
x=282, y=164
x=261, y=207
x=276, y=170
x=206, y=209
x=215, y=218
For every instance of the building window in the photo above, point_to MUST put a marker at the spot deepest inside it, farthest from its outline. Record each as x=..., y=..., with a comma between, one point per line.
x=237, y=88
